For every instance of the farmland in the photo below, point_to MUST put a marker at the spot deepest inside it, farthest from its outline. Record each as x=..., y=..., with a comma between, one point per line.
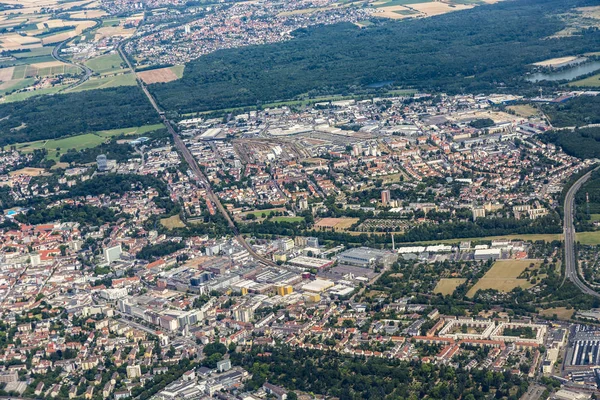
x=106, y=82
x=105, y=64
x=503, y=276
x=161, y=75
x=447, y=286
x=591, y=81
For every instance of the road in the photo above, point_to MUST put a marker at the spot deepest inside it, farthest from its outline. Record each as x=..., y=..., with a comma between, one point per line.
x=201, y=178
x=571, y=272
x=86, y=71
x=534, y=393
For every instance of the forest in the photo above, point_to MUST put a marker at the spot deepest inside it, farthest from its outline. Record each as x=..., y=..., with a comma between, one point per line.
x=485, y=49
x=51, y=117
x=582, y=143
x=336, y=376
x=579, y=111
x=84, y=214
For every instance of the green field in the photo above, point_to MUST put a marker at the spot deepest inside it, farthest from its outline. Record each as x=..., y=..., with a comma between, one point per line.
x=401, y=3
x=41, y=51
x=105, y=64
x=130, y=131
x=25, y=95
x=26, y=61
x=287, y=219
x=595, y=217
x=589, y=238
x=106, y=82
x=16, y=85
x=591, y=81
x=178, y=70
x=52, y=71
x=111, y=22
x=78, y=142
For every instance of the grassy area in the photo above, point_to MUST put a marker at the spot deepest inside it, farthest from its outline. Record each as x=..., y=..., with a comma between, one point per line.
x=140, y=130
x=447, y=286
x=172, y=222
x=399, y=3
x=591, y=81
x=178, y=70
x=503, y=276
x=287, y=219
x=41, y=51
x=106, y=82
x=595, y=217
x=560, y=312
x=25, y=95
x=589, y=238
x=84, y=141
x=111, y=22
x=105, y=63
x=78, y=142
x=523, y=110
x=17, y=84
x=267, y=212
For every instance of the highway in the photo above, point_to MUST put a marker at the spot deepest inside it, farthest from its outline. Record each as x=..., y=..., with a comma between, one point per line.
x=201, y=178
x=86, y=71
x=569, y=233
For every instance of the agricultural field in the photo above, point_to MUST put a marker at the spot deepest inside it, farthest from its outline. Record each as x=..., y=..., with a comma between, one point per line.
x=105, y=64
x=447, y=286
x=140, y=130
x=161, y=75
x=106, y=82
x=590, y=81
x=172, y=222
x=504, y=276
x=20, y=96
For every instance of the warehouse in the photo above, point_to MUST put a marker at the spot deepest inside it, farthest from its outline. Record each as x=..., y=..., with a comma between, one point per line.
x=366, y=257
x=311, y=262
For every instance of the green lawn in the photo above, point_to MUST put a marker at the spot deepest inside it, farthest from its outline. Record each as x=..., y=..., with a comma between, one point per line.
x=106, y=82
x=130, y=131
x=105, y=63
x=589, y=238
x=287, y=219
x=78, y=142
x=595, y=217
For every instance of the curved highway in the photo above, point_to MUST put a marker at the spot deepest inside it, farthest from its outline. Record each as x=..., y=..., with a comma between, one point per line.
x=86, y=71
x=569, y=232
x=202, y=179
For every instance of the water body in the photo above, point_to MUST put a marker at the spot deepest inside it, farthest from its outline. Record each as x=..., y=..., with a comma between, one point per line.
x=565, y=74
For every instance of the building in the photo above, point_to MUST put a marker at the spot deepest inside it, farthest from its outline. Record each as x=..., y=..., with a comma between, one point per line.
x=385, y=197
x=366, y=257
x=224, y=365
x=279, y=392
x=478, y=212
x=113, y=253
x=311, y=262
x=487, y=254
x=102, y=163
x=134, y=371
